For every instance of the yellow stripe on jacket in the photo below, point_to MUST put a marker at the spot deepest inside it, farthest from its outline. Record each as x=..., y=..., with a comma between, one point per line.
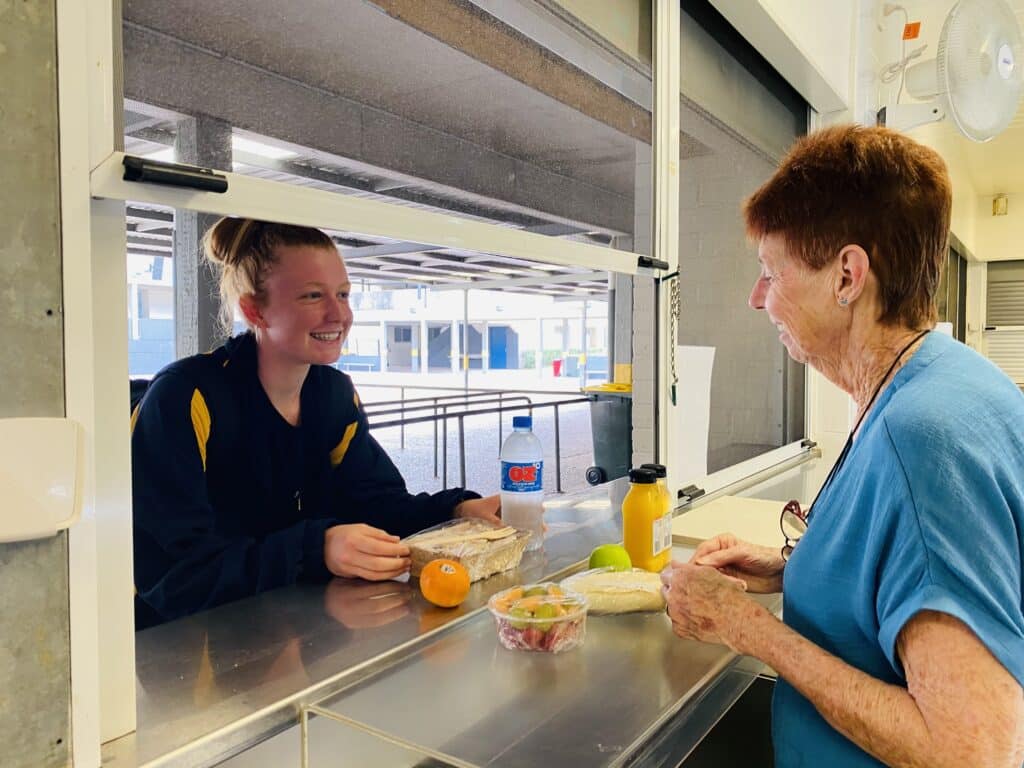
x=341, y=448
x=201, y=423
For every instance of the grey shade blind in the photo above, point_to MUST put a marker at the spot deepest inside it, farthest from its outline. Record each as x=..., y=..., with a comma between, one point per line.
x=1005, y=303
x=1005, y=348
x=1005, y=293
x=1004, y=343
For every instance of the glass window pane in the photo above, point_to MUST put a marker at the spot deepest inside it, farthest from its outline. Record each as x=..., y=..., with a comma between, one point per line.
x=757, y=392
x=536, y=335
x=464, y=115
x=150, y=289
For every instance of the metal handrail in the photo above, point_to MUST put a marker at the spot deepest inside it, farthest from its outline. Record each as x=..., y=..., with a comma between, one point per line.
x=464, y=395
x=361, y=385
x=430, y=406
x=445, y=415
x=461, y=396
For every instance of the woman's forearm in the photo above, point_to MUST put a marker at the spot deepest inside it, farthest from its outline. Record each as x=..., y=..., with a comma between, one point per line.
x=882, y=719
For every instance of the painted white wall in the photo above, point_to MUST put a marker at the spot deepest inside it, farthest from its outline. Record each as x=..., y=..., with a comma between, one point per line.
x=810, y=44
x=626, y=24
x=999, y=238
x=977, y=301
x=944, y=139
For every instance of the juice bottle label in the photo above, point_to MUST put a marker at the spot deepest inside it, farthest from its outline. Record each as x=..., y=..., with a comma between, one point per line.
x=521, y=477
x=661, y=535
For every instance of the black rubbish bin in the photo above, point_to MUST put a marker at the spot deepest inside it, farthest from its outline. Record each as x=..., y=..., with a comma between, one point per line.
x=611, y=423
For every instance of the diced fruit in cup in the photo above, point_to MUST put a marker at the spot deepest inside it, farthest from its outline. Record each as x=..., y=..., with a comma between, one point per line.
x=560, y=636
x=539, y=617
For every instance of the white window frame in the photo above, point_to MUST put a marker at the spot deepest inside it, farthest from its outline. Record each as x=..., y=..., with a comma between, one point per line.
x=92, y=206
x=93, y=193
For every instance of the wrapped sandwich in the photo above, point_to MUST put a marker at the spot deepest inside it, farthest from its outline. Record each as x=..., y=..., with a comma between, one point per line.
x=484, y=549
x=612, y=591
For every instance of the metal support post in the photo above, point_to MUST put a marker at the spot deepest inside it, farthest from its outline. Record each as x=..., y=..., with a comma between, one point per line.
x=444, y=446
x=465, y=339
x=462, y=452
x=558, y=454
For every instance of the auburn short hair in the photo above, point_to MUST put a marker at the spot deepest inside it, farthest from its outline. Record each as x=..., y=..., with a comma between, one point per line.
x=865, y=186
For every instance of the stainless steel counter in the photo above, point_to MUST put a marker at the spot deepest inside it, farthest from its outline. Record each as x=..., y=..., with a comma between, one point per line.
x=465, y=700
x=214, y=684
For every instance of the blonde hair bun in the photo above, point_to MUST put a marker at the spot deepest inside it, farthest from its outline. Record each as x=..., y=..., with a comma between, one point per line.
x=223, y=241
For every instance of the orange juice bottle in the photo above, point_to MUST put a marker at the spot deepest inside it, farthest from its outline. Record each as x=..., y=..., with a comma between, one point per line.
x=646, y=528
x=661, y=473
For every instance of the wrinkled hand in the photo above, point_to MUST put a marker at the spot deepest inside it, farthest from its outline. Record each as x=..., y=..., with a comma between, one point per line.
x=362, y=551
x=487, y=508
x=759, y=568
x=362, y=606
x=705, y=605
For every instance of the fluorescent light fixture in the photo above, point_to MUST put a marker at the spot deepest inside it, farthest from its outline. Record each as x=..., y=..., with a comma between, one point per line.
x=546, y=267
x=166, y=155
x=259, y=148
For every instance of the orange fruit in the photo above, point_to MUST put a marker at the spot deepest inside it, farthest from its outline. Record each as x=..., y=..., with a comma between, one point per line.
x=444, y=582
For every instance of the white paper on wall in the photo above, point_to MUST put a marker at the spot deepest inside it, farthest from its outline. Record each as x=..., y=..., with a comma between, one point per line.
x=693, y=399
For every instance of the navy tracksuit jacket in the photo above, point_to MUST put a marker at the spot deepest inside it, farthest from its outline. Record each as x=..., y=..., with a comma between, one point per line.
x=230, y=500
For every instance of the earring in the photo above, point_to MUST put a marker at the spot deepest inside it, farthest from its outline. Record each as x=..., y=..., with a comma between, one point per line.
x=843, y=301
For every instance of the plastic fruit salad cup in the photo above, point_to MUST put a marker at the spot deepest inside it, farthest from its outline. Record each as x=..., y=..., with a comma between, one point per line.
x=539, y=617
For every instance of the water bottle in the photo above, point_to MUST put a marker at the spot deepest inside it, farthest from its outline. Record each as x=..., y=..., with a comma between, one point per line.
x=522, y=467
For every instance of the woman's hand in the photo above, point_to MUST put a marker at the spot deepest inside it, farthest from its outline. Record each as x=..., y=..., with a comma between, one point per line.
x=362, y=551
x=706, y=605
x=760, y=568
x=487, y=508
x=363, y=606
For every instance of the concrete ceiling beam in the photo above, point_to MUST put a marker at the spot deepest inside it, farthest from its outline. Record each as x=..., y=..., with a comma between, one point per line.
x=176, y=75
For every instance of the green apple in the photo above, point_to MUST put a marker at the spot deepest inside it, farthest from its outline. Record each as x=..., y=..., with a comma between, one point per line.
x=612, y=556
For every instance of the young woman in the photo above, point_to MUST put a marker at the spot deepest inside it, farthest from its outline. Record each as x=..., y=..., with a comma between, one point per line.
x=253, y=466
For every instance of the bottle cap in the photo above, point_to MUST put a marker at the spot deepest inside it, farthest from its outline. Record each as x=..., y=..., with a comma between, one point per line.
x=641, y=475
x=522, y=422
x=657, y=469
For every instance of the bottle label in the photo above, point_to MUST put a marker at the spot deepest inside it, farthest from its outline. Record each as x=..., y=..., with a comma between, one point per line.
x=521, y=477
x=661, y=535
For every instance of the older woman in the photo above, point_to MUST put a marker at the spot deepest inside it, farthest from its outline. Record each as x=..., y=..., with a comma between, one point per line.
x=903, y=634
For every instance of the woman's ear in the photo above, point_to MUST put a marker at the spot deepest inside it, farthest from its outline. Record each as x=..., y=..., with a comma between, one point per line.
x=854, y=266
x=251, y=311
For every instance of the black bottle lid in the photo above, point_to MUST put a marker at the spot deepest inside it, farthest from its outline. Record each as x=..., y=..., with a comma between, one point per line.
x=658, y=469
x=642, y=476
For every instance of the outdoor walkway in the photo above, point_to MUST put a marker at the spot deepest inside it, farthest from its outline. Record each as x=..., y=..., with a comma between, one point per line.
x=416, y=461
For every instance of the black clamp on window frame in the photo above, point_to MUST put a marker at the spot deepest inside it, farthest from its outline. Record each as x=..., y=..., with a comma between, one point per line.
x=173, y=174
x=689, y=493
x=649, y=262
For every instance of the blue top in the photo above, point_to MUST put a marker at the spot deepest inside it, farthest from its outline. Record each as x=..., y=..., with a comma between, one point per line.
x=926, y=514
x=522, y=422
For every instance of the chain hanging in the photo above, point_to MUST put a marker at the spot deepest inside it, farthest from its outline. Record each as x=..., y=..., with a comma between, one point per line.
x=673, y=321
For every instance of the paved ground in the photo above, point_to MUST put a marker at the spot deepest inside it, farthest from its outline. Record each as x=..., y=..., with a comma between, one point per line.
x=416, y=461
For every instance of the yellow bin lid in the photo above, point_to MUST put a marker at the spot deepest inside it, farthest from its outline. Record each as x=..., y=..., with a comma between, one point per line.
x=609, y=387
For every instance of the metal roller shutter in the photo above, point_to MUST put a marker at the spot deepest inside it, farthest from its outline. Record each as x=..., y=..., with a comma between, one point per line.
x=1004, y=325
